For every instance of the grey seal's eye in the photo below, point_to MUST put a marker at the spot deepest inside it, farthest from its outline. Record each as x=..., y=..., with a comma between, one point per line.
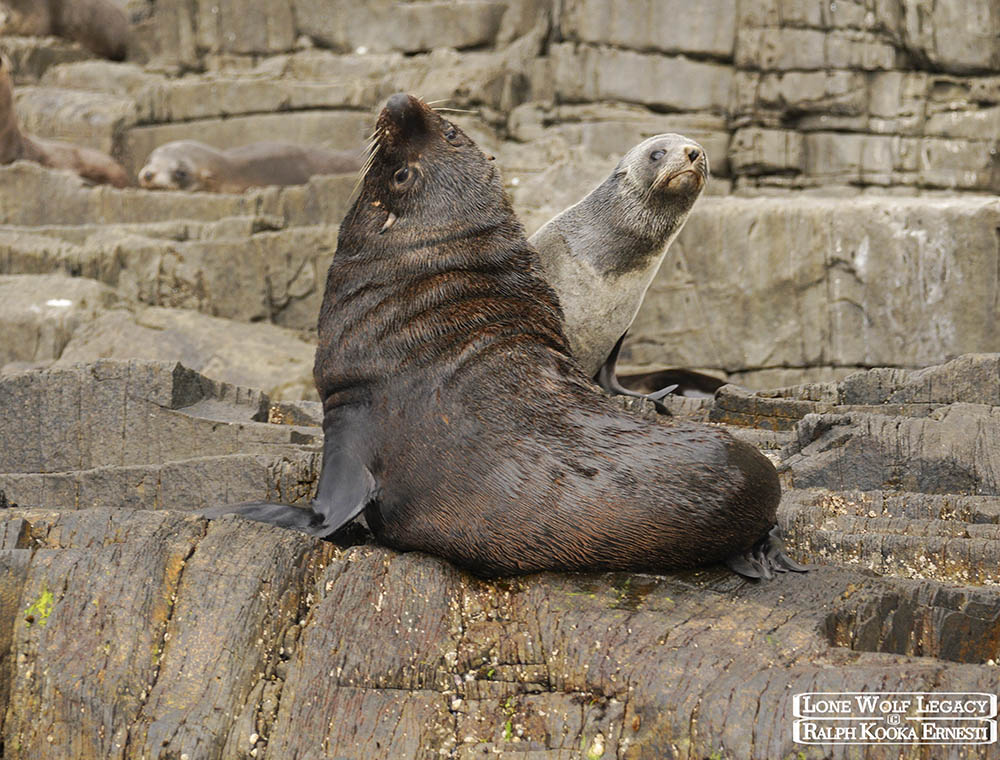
x=656, y=155
x=180, y=176
x=401, y=175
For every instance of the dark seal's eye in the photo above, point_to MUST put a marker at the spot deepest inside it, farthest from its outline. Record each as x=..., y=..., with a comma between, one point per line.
x=656, y=155
x=401, y=175
x=451, y=134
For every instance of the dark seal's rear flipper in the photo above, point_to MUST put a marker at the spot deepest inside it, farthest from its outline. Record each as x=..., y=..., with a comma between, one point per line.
x=607, y=378
x=346, y=486
x=765, y=558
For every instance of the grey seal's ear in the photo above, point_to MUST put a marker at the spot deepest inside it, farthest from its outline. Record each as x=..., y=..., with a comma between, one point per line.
x=346, y=486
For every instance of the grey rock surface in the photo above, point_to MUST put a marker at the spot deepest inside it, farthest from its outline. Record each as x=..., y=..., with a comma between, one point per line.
x=901, y=596
x=265, y=356
x=42, y=312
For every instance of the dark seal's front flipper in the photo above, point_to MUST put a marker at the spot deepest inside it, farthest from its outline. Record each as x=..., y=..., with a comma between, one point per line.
x=346, y=486
x=765, y=558
x=607, y=378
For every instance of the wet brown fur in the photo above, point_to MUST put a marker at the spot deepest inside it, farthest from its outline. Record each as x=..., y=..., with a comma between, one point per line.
x=15, y=145
x=488, y=444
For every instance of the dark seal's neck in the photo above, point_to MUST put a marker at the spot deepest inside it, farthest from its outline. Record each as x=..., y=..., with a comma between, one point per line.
x=429, y=306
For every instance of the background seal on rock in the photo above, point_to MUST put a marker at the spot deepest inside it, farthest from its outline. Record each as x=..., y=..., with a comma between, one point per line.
x=99, y=25
x=455, y=416
x=15, y=145
x=192, y=165
x=601, y=254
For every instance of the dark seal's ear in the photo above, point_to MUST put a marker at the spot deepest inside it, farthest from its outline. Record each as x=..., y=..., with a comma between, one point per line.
x=346, y=486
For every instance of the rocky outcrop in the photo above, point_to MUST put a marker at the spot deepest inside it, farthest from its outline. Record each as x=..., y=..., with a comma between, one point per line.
x=863, y=96
x=361, y=652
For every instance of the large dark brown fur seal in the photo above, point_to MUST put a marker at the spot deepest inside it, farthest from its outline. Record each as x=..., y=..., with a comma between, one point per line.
x=457, y=420
x=98, y=25
x=15, y=145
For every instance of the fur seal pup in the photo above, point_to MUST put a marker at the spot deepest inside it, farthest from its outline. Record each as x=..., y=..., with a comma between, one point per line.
x=191, y=165
x=455, y=416
x=601, y=254
x=99, y=25
x=90, y=164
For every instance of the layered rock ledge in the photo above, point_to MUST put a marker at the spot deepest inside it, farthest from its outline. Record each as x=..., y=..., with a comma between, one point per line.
x=130, y=628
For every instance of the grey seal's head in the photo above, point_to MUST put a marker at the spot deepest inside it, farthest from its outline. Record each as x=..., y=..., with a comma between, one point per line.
x=660, y=179
x=180, y=165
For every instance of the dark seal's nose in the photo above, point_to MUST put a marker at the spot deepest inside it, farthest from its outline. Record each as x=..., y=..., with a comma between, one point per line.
x=402, y=107
x=692, y=153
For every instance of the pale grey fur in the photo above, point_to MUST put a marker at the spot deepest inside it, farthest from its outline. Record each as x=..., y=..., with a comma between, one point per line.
x=601, y=254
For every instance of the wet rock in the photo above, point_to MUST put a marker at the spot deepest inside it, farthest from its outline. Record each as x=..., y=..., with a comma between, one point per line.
x=545, y=664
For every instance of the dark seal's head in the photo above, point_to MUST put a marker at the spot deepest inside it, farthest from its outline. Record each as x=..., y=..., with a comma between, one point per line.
x=423, y=177
x=432, y=266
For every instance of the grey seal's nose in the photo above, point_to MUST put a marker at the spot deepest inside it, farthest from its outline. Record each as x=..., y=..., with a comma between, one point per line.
x=147, y=176
x=692, y=153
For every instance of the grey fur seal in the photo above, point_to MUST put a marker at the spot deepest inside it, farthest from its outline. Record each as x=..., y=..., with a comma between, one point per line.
x=15, y=145
x=455, y=416
x=99, y=25
x=601, y=254
x=192, y=165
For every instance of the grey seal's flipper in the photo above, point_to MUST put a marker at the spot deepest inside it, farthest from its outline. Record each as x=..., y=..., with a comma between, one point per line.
x=346, y=486
x=765, y=558
x=607, y=378
x=686, y=382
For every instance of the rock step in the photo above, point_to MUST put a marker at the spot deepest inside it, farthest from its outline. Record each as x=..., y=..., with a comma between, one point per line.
x=316, y=639
x=949, y=538
x=739, y=268
x=834, y=284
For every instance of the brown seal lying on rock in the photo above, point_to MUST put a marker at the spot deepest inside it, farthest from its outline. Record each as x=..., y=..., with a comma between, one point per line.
x=601, y=254
x=90, y=164
x=455, y=416
x=99, y=25
x=191, y=165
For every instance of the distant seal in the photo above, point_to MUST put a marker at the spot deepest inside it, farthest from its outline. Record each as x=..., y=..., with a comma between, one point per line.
x=192, y=165
x=99, y=25
x=15, y=145
x=455, y=417
x=601, y=254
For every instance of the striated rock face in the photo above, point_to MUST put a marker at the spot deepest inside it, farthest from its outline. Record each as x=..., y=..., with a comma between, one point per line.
x=789, y=98
x=131, y=628
x=233, y=639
